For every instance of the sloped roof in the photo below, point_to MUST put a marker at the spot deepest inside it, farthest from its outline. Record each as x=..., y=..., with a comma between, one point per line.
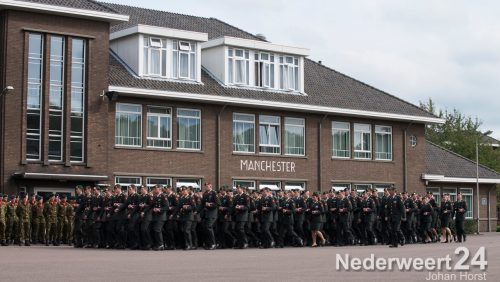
x=441, y=161
x=214, y=27
x=78, y=4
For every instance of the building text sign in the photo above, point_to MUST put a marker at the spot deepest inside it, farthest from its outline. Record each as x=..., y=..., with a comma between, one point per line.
x=267, y=166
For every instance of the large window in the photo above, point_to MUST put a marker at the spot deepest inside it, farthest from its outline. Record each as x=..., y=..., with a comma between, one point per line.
x=184, y=59
x=189, y=129
x=264, y=70
x=294, y=136
x=249, y=184
x=341, y=139
x=159, y=127
x=269, y=134
x=243, y=133
x=362, y=141
x=162, y=181
x=125, y=181
x=383, y=142
x=155, y=56
x=452, y=192
x=289, y=73
x=272, y=185
x=188, y=182
x=238, y=66
x=468, y=198
x=362, y=187
x=128, y=124
x=56, y=98
x=295, y=186
x=77, y=126
x=34, y=106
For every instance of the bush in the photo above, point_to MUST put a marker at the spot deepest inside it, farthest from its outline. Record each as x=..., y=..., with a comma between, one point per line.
x=470, y=226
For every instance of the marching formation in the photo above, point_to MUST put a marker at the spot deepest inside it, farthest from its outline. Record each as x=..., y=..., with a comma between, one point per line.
x=166, y=218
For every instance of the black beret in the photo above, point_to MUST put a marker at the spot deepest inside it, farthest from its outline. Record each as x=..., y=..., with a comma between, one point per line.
x=22, y=195
x=11, y=197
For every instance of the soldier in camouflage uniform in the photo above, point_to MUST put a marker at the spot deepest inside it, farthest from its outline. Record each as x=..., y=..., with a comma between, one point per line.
x=38, y=220
x=23, y=212
x=50, y=213
x=70, y=217
x=3, y=220
x=12, y=221
x=61, y=220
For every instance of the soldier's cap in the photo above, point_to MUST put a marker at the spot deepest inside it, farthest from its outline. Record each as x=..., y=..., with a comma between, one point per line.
x=79, y=187
x=5, y=196
x=38, y=197
x=22, y=195
x=346, y=189
x=391, y=188
x=64, y=196
x=11, y=197
x=72, y=198
x=266, y=189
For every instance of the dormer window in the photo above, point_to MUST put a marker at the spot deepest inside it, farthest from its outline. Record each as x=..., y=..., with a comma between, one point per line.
x=155, y=56
x=264, y=70
x=289, y=73
x=184, y=60
x=238, y=66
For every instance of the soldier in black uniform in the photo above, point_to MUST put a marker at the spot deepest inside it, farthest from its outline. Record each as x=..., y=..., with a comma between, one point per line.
x=316, y=210
x=159, y=206
x=408, y=225
x=145, y=217
x=435, y=213
x=299, y=216
x=287, y=211
x=105, y=218
x=267, y=206
x=384, y=224
x=426, y=220
x=331, y=211
x=170, y=227
x=343, y=208
x=368, y=212
x=131, y=207
x=240, y=209
x=93, y=220
x=79, y=210
x=210, y=204
x=224, y=216
x=446, y=211
x=395, y=214
x=460, y=208
x=185, y=213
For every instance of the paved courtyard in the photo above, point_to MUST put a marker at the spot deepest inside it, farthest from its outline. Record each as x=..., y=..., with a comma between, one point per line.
x=40, y=263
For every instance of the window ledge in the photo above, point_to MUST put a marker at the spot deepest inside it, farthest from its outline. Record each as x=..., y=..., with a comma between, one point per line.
x=269, y=155
x=159, y=149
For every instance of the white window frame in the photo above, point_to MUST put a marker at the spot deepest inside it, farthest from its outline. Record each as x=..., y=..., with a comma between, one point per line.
x=124, y=185
x=239, y=181
x=235, y=145
x=270, y=184
x=452, y=191
x=292, y=71
x=199, y=130
x=31, y=84
x=245, y=59
x=469, y=214
x=341, y=130
x=191, y=53
x=379, y=131
x=292, y=185
x=362, y=187
x=268, y=126
x=83, y=89
x=303, y=127
x=436, y=191
x=269, y=64
x=380, y=188
x=147, y=49
x=158, y=116
x=363, y=150
x=179, y=181
x=140, y=123
x=340, y=186
x=150, y=185
x=54, y=112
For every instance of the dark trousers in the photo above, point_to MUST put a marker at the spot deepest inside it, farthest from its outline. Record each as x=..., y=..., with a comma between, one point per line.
x=225, y=234
x=395, y=226
x=133, y=230
x=240, y=233
x=169, y=230
x=185, y=227
x=459, y=225
x=78, y=231
x=120, y=235
x=157, y=232
x=344, y=234
x=208, y=227
x=299, y=228
x=145, y=234
x=368, y=236
x=267, y=238
x=287, y=229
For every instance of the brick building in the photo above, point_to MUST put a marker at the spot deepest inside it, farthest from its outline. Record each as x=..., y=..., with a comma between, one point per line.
x=105, y=93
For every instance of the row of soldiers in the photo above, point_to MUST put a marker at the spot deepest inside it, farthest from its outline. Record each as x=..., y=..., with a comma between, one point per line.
x=167, y=219
x=33, y=220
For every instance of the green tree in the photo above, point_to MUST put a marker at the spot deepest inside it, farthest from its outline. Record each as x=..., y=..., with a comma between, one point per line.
x=459, y=134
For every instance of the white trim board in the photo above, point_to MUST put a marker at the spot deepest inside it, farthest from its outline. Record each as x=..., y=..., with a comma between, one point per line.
x=139, y=92
x=256, y=45
x=442, y=178
x=160, y=31
x=53, y=9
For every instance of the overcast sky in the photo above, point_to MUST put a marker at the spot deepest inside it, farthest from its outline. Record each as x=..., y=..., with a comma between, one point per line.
x=446, y=50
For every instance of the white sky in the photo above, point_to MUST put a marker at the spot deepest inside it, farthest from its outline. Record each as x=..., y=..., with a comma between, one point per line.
x=446, y=50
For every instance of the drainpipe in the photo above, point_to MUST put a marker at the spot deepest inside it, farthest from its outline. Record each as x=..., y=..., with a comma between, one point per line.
x=319, y=150
x=489, y=207
x=405, y=158
x=3, y=99
x=218, y=144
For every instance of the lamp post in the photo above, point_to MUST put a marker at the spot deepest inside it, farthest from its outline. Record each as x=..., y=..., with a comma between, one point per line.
x=477, y=175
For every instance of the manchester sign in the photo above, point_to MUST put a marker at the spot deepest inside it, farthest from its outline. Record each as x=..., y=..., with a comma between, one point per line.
x=267, y=166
